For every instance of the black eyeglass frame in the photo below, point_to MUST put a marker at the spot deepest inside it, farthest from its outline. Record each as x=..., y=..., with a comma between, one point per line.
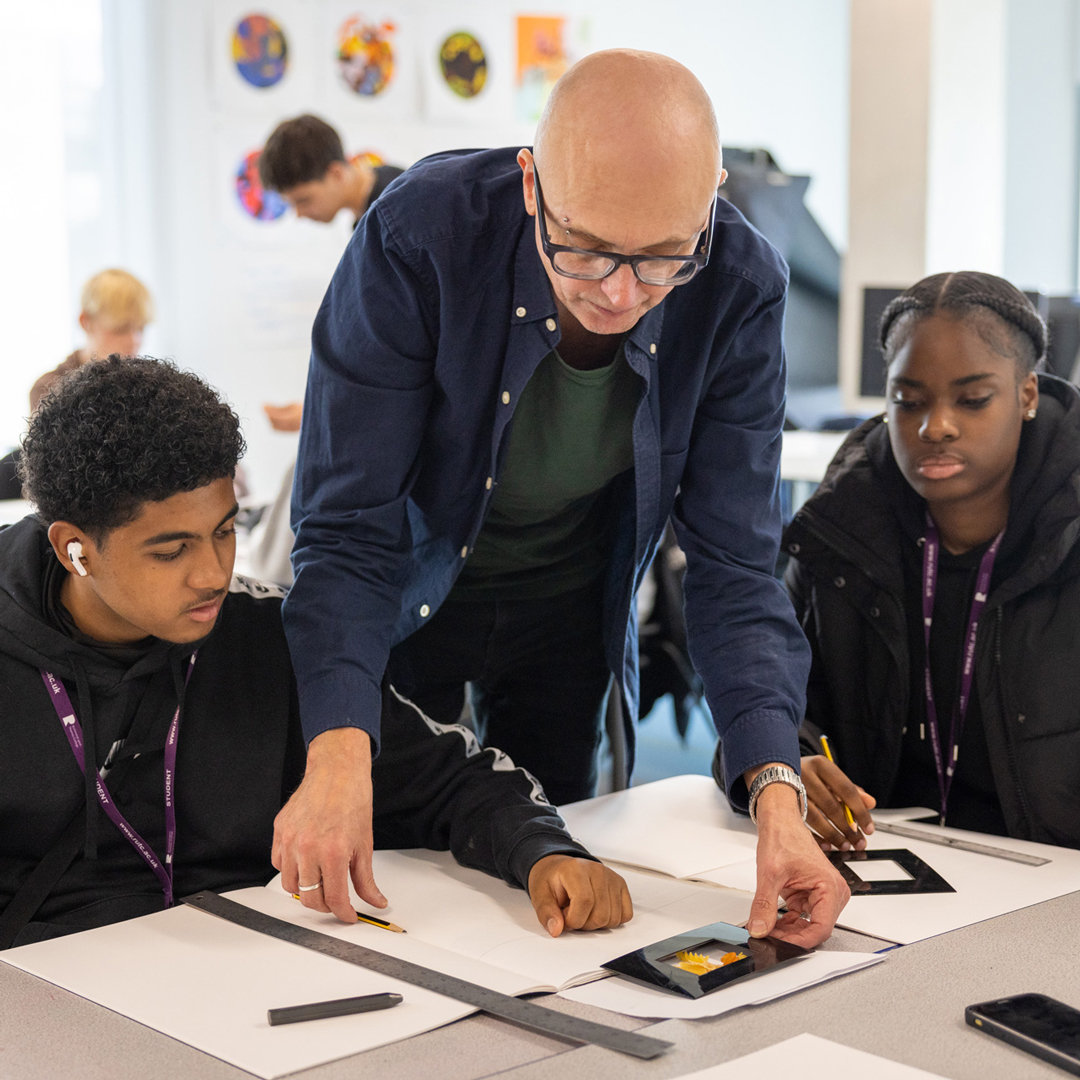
x=699, y=260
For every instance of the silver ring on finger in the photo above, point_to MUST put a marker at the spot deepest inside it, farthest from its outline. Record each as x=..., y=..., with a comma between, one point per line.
x=310, y=888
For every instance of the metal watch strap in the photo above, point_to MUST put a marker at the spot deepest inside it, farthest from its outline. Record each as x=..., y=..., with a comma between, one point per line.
x=776, y=774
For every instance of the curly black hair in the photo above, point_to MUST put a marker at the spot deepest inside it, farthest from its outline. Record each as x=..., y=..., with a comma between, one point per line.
x=1002, y=315
x=121, y=432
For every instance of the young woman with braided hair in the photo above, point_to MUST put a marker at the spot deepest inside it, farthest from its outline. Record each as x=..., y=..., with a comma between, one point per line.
x=947, y=529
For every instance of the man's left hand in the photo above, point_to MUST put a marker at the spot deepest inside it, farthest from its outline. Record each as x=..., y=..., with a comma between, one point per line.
x=791, y=865
x=578, y=894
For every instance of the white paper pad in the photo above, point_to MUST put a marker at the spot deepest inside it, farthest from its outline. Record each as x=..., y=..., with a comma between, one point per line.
x=985, y=886
x=209, y=983
x=678, y=826
x=811, y=1058
x=624, y=996
x=466, y=914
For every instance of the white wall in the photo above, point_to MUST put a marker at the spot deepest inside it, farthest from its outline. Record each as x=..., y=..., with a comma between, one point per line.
x=33, y=226
x=995, y=161
x=1040, y=161
x=237, y=298
x=965, y=183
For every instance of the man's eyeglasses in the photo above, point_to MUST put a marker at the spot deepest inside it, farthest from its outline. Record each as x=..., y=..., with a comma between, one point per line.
x=586, y=265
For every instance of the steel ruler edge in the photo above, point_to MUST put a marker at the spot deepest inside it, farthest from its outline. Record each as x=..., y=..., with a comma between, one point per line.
x=492, y=1002
x=961, y=845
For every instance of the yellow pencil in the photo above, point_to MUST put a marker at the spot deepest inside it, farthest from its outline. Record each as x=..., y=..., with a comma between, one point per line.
x=828, y=754
x=382, y=924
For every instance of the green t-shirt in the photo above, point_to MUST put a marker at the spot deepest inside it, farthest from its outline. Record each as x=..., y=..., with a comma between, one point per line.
x=548, y=527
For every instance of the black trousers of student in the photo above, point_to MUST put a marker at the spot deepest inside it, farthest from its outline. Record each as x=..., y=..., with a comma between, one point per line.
x=539, y=680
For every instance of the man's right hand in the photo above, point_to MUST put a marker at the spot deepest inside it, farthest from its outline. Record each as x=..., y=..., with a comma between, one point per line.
x=828, y=791
x=323, y=833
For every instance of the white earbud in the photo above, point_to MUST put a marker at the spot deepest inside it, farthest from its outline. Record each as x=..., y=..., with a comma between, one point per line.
x=74, y=550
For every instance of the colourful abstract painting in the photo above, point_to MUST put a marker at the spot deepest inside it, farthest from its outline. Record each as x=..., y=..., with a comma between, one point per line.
x=463, y=63
x=259, y=50
x=542, y=57
x=256, y=201
x=365, y=55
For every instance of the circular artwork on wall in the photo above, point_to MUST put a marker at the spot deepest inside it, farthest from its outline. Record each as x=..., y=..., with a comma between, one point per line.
x=365, y=55
x=260, y=51
x=463, y=64
x=255, y=200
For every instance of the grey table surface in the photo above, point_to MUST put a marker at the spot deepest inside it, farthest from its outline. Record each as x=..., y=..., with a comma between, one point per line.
x=910, y=1009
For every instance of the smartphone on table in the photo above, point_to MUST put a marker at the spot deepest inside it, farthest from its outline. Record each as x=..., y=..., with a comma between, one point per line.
x=1041, y=1025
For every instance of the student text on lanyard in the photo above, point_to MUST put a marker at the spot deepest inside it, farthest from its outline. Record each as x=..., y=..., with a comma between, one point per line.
x=73, y=730
x=931, y=558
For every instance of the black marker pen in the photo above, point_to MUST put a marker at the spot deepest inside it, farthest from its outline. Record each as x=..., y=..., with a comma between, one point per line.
x=321, y=1010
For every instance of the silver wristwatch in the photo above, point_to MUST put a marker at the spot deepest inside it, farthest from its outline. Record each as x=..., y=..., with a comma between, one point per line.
x=776, y=774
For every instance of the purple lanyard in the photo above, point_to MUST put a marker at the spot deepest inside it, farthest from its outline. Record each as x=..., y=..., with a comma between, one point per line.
x=931, y=556
x=73, y=730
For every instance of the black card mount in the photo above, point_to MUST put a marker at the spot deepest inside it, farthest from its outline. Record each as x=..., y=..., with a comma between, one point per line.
x=922, y=877
x=657, y=965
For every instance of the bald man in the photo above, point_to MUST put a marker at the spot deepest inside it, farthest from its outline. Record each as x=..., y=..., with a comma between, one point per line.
x=527, y=361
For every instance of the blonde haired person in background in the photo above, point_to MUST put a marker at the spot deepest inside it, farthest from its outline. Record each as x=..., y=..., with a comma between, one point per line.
x=116, y=307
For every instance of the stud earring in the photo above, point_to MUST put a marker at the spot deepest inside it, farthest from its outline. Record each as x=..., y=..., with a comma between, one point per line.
x=1031, y=414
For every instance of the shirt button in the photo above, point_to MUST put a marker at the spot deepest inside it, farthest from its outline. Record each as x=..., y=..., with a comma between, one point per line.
x=839, y=582
x=521, y=313
x=550, y=324
x=506, y=397
x=465, y=551
x=425, y=611
x=487, y=483
x=652, y=348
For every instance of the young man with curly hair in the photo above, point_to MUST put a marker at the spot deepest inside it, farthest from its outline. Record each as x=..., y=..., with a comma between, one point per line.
x=125, y=640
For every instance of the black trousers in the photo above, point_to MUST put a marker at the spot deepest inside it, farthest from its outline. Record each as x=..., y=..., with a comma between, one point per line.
x=539, y=680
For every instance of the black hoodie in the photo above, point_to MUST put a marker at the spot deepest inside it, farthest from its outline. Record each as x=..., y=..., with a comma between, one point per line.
x=240, y=755
x=854, y=582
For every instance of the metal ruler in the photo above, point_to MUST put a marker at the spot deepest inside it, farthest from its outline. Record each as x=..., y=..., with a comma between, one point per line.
x=961, y=845
x=490, y=1001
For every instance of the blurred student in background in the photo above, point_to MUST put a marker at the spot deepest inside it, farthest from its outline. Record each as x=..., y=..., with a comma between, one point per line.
x=936, y=572
x=304, y=161
x=116, y=309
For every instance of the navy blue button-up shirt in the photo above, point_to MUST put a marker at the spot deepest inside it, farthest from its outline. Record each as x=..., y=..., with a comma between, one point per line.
x=435, y=320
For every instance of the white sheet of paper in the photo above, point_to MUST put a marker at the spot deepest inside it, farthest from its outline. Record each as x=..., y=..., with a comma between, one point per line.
x=464, y=913
x=624, y=996
x=985, y=886
x=678, y=826
x=811, y=1058
x=209, y=983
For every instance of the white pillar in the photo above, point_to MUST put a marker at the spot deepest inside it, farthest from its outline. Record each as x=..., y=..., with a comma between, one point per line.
x=890, y=92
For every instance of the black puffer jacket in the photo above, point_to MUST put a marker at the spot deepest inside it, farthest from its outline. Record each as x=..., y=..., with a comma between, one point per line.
x=847, y=583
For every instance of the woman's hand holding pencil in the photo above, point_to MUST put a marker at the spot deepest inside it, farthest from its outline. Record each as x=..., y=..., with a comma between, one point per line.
x=838, y=810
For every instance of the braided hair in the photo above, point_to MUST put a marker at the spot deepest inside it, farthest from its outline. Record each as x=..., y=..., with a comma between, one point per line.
x=1001, y=314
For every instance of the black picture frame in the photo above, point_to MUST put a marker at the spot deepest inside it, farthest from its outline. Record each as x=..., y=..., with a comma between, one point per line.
x=924, y=878
x=651, y=965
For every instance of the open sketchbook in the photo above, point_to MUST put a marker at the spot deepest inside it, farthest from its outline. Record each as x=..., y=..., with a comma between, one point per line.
x=450, y=912
x=209, y=983
x=681, y=825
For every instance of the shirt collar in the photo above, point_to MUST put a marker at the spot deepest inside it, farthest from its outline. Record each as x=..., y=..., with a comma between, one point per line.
x=534, y=300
